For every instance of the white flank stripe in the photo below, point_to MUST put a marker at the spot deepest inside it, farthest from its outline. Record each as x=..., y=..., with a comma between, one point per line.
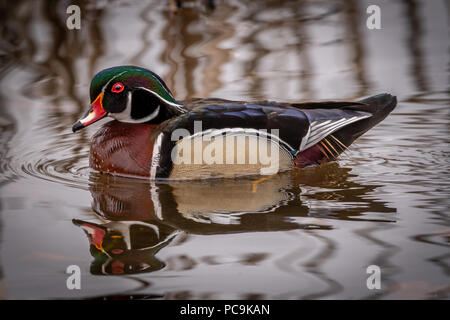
x=156, y=156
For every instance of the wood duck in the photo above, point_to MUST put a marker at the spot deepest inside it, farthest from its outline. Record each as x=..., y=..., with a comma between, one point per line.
x=155, y=136
x=126, y=247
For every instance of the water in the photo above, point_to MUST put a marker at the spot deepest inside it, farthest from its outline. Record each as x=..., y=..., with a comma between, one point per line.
x=308, y=233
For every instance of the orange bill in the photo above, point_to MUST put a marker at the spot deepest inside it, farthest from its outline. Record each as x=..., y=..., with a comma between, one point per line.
x=94, y=113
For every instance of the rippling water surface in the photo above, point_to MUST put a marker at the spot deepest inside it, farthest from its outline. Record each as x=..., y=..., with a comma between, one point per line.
x=305, y=234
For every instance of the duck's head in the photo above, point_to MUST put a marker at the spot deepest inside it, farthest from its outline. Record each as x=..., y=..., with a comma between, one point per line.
x=129, y=94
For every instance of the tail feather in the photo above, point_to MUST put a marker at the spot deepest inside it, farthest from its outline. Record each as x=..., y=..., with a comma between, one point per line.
x=379, y=106
x=335, y=143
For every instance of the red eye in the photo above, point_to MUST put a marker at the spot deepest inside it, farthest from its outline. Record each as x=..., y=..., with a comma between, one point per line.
x=117, y=87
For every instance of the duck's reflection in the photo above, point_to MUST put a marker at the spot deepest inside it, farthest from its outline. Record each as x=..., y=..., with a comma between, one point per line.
x=125, y=247
x=140, y=218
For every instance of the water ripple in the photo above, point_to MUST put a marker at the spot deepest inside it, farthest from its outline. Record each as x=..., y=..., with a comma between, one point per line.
x=58, y=158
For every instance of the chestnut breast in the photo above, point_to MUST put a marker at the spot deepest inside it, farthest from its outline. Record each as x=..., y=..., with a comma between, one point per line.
x=122, y=149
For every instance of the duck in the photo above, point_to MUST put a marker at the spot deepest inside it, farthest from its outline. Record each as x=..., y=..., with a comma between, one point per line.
x=125, y=247
x=154, y=136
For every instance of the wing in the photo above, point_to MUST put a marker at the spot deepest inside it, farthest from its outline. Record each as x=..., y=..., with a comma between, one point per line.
x=294, y=129
x=291, y=123
x=193, y=103
x=286, y=126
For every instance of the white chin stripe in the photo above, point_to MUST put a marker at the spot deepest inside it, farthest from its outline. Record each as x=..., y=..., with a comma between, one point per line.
x=125, y=115
x=151, y=116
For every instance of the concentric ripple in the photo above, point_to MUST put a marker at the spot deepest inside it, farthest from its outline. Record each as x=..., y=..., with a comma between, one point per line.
x=50, y=153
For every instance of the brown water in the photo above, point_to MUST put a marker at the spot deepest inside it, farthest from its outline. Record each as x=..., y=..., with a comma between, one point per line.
x=304, y=234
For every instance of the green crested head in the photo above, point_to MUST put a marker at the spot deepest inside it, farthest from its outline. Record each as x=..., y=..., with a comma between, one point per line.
x=133, y=77
x=129, y=94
